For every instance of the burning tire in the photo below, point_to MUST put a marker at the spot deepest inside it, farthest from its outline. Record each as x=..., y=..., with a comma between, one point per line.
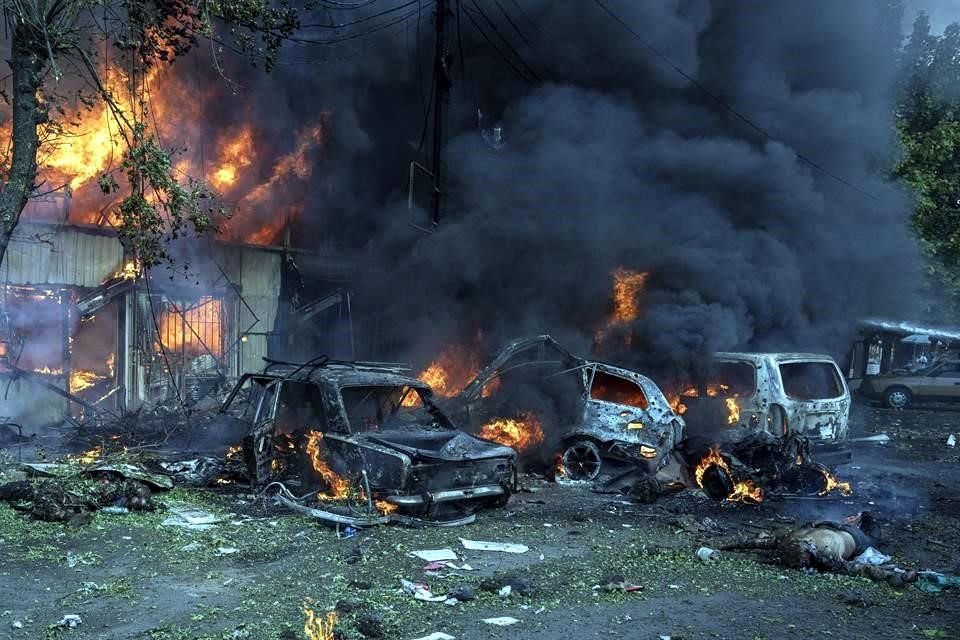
x=581, y=460
x=897, y=397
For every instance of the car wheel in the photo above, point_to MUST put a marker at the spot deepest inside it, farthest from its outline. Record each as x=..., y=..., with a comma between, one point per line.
x=581, y=461
x=897, y=398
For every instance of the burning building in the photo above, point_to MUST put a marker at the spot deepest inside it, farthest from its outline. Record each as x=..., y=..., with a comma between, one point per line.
x=78, y=317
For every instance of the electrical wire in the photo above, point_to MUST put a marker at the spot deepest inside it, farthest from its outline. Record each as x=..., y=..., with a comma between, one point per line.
x=727, y=107
x=506, y=42
x=353, y=36
x=320, y=25
x=503, y=56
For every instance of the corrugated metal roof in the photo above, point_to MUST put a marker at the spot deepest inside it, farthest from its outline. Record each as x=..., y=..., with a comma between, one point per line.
x=71, y=256
x=910, y=328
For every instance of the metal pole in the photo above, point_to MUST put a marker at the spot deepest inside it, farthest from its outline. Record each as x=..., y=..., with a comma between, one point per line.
x=441, y=99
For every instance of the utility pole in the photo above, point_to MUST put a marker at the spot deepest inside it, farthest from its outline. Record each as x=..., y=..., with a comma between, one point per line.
x=441, y=98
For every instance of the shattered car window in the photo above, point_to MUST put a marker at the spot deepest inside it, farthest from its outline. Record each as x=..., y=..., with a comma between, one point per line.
x=373, y=408
x=811, y=380
x=737, y=378
x=244, y=402
x=617, y=390
x=300, y=406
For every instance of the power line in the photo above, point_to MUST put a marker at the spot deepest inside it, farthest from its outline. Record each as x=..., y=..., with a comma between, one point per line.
x=727, y=107
x=502, y=55
x=506, y=42
x=320, y=25
x=360, y=34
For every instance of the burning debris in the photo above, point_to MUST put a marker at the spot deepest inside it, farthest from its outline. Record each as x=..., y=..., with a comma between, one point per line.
x=523, y=433
x=714, y=476
x=750, y=469
x=320, y=627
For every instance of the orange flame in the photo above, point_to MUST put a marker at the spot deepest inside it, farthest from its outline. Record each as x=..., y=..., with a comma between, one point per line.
x=317, y=627
x=384, y=507
x=338, y=486
x=87, y=457
x=628, y=287
x=235, y=154
x=743, y=491
x=733, y=410
x=833, y=483
x=81, y=379
x=195, y=329
x=452, y=370
x=521, y=433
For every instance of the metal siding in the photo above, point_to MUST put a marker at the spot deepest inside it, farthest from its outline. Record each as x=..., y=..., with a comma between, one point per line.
x=260, y=284
x=70, y=257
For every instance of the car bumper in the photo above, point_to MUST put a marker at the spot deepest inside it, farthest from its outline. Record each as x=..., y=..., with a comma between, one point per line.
x=449, y=495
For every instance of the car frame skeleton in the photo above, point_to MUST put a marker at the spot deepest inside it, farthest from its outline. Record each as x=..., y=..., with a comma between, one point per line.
x=349, y=426
x=619, y=415
x=777, y=399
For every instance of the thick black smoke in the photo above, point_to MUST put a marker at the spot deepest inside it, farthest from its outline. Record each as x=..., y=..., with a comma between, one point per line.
x=617, y=160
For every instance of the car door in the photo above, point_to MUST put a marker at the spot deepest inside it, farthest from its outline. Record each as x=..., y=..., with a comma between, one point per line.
x=260, y=441
x=945, y=382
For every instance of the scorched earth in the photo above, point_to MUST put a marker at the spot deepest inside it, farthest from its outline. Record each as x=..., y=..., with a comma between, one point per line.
x=598, y=563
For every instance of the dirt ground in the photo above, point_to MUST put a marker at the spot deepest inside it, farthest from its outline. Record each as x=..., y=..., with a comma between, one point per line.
x=130, y=577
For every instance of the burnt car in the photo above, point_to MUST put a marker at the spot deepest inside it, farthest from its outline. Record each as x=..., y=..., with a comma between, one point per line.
x=598, y=418
x=363, y=430
x=781, y=393
x=940, y=382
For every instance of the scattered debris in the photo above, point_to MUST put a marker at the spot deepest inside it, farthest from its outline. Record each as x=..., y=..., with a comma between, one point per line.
x=951, y=440
x=706, y=554
x=370, y=624
x=70, y=621
x=463, y=593
x=435, y=555
x=420, y=591
x=191, y=518
x=505, y=547
x=616, y=582
x=856, y=598
x=503, y=621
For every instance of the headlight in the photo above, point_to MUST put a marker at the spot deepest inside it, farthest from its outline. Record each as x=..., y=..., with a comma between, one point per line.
x=648, y=452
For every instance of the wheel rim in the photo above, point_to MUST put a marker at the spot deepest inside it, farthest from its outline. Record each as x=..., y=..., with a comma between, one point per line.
x=581, y=461
x=897, y=399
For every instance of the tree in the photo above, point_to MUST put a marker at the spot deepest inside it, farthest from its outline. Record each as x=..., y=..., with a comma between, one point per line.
x=928, y=122
x=53, y=52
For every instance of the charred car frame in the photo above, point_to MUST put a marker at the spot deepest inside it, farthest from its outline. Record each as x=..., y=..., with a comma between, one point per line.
x=363, y=430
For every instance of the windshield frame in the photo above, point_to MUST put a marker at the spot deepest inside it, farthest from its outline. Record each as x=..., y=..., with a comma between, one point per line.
x=390, y=421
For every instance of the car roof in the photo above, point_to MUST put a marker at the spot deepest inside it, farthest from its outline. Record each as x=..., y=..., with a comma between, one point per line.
x=342, y=374
x=779, y=357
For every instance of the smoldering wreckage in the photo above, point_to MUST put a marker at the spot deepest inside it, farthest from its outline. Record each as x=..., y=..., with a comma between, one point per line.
x=358, y=444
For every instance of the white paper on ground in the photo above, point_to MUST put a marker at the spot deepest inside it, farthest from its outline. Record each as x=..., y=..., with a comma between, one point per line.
x=483, y=545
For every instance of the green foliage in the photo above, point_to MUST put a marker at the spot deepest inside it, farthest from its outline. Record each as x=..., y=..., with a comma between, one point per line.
x=928, y=123
x=158, y=208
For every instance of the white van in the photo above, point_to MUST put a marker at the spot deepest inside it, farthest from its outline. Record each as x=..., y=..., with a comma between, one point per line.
x=780, y=393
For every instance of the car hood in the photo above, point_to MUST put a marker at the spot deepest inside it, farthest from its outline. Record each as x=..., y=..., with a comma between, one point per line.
x=437, y=445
